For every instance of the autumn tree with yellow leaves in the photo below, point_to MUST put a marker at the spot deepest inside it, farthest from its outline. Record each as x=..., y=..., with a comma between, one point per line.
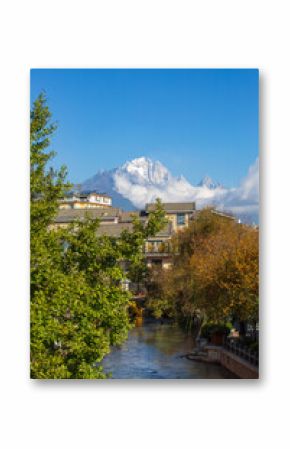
x=215, y=273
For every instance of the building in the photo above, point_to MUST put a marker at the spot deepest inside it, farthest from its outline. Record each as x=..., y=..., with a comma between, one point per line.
x=113, y=221
x=158, y=249
x=91, y=200
x=67, y=216
x=179, y=214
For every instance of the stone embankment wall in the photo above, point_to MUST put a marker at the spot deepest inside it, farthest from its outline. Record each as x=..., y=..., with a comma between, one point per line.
x=232, y=362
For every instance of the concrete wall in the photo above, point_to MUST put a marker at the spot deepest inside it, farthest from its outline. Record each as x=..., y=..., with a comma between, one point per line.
x=238, y=366
x=83, y=205
x=173, y=218
x=232, y=362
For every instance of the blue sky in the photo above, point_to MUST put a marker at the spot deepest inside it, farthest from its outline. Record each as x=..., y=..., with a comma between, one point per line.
x=196, y=122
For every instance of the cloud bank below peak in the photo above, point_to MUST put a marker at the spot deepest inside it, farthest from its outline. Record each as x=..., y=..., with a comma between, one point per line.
x=142, y=180
x=243, y=201
x=148, y=180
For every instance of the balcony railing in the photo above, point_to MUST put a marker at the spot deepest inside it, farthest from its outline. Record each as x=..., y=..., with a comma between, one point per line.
x=242, y=351
x=159, y=248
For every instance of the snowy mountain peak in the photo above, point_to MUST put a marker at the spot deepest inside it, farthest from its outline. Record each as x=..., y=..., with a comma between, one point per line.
x=209, y=183
x=144, y=170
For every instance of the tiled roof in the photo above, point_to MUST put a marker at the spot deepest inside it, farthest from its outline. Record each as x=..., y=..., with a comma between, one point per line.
x=114, y=230
x=224, y=214
x=82, y=195
x=68, y=215
x=172, y=207
x=128, y=216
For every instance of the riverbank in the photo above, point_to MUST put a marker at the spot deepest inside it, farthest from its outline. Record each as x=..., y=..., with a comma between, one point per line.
x=232, y=362
x=237, y=365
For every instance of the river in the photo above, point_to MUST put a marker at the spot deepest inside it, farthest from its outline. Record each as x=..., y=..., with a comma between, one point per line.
x=153, y=351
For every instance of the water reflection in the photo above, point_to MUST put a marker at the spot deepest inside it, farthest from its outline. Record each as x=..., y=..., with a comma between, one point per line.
x=153, y=351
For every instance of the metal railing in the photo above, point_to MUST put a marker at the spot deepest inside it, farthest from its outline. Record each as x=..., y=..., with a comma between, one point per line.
x=157, y=249
x=242, y=351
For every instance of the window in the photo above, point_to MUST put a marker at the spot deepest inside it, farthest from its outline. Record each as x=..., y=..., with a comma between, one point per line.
x=180, y=219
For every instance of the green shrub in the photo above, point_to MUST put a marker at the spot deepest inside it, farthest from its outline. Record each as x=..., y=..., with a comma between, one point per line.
x=210, y=329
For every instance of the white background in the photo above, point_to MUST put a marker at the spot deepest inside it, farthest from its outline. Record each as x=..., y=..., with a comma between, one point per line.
x=171, y=414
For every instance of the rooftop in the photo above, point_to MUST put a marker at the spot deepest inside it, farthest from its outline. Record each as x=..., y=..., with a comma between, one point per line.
x=172, y=207
x=127, y=216
x=224, y=214
x=87, y=193
x=68, y=215
x=114, y=230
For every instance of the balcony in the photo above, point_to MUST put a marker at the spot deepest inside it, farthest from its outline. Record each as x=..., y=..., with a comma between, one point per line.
x=157, y=249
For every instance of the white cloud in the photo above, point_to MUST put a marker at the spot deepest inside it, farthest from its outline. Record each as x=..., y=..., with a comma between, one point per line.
x=157, y=182
x=244, y=200
x=250, y=185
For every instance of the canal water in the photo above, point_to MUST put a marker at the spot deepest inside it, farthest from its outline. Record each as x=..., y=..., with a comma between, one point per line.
x=153, y=351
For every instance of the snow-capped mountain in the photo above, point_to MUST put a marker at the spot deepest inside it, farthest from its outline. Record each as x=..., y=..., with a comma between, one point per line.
x=209, y=183
x=142, y=180
x=144, y=171
x=104, y=182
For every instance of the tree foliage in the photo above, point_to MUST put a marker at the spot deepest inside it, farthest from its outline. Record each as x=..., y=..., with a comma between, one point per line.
x=214, y=275
x=46, y=185
x=138, y=271
x=78, y=306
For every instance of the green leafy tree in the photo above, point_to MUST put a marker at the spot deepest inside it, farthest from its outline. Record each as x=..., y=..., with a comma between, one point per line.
x=78, y=306
x=47, y=186
x=141, y=230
